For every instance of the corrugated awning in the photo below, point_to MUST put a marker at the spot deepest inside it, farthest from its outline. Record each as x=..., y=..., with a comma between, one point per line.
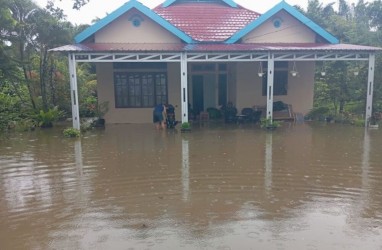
x=166, y=47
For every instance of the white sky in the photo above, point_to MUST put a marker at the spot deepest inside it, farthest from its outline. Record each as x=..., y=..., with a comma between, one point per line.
x=99, y=8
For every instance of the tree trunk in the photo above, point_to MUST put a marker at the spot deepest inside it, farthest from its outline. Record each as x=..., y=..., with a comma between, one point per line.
x=25, y=71
x=342, y=106
x=52, y=83
x=27, y=82
x=43, y=76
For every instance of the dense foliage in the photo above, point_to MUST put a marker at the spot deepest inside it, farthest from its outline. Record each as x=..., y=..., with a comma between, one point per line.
x=34, y=84
x=342, y=91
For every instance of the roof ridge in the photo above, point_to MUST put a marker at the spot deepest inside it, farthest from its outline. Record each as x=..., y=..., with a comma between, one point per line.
x=230, y=3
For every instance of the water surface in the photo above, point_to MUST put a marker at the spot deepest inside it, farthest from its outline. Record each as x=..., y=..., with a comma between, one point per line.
x=308, y=186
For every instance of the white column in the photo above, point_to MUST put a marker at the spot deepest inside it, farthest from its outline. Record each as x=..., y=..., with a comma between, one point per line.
x=270, y=80
x=184, y=87
x=74, y=92
x=370, y=89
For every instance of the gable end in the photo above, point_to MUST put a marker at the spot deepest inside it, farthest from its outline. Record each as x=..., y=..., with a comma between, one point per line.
x=90, y=31
x=294, y=13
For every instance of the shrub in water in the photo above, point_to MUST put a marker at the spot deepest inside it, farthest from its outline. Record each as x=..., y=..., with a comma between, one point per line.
x=269, y=123
x=185, y=125
x=71, y=132
x=46, y=119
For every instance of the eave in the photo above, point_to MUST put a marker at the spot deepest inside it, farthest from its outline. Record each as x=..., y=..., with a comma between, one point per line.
x=293, y=12
x=122, y=10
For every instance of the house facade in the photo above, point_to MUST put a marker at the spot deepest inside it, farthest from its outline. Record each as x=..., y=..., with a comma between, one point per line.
x=197, y=55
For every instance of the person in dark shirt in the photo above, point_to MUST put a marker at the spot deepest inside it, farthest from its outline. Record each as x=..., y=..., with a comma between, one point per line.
x=159, y=116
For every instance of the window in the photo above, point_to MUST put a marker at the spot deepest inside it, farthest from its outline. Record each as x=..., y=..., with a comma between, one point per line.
x=139, y=88
x=280, y=81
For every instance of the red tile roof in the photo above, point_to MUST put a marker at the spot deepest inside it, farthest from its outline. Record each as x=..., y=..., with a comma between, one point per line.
x=258, y=47
x=207, y=22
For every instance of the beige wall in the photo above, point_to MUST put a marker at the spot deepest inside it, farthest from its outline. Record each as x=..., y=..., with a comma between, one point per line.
x=248, y=86
x=291, y=31
x=300, y=88
x=244, y=90
x=105, y=90
x=123, y=31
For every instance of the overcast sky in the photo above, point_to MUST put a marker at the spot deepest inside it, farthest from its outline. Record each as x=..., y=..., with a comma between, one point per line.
x=99, y=8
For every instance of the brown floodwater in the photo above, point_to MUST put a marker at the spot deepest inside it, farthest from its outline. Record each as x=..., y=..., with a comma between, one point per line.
x=305, y=186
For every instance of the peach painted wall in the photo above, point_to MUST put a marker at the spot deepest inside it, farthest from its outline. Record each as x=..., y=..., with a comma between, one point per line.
x=105, y=88
x=245, y=91
x=122, y=30
x=290, y=31
x=300, y=88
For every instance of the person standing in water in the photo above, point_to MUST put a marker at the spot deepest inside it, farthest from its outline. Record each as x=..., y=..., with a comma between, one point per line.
x=159, y=116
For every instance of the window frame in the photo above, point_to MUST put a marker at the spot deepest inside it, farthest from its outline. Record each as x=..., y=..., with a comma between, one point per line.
x=138, y=85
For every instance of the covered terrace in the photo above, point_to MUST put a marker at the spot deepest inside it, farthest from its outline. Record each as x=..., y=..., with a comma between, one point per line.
x=213, y=53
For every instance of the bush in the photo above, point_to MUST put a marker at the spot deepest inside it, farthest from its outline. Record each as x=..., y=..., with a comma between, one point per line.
x=319, y=113
x=46, y=119
x=343, y=118
x=71, y=132
x=269, y=123
x=9, y=110
x=88, y=107
x=25, y=125
x=358, y=122
x=185, y=125
x=355, y=107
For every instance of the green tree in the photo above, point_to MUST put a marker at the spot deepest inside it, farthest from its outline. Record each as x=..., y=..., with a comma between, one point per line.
x=29, y=74
x=7, y=67
x=49, y=32
x=374, y=11
x=21, y=38
x=357, y=24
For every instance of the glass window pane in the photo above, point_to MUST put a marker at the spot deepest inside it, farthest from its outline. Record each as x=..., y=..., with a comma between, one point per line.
x=140, y=89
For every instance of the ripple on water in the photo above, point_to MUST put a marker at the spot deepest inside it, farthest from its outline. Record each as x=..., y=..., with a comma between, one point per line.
x=217, y=187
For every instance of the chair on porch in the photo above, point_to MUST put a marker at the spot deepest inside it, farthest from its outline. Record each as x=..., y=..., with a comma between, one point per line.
x=247, y=114
x=204, y=116
x=284, y=113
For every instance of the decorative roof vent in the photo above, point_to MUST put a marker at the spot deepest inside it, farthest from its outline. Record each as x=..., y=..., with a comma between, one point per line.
x=136, y=20
x=277, y=22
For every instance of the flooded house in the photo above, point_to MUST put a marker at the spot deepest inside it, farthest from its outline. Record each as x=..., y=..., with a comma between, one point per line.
x=198, y=55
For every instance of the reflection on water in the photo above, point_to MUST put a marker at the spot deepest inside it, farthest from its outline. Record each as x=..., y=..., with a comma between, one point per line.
x=185, y=169
x=268, y=161
x=132, y=187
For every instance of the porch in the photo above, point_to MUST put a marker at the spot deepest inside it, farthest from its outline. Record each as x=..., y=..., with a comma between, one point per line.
x=234, y=86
